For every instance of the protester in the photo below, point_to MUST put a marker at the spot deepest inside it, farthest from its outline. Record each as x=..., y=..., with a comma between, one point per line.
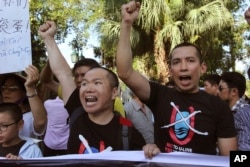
x=78, y=72
x=11, y=145
x=186, y=118
x=98, y=124
x=211, y=83
x=231, y=89
x=141, y=116
x=22, y=91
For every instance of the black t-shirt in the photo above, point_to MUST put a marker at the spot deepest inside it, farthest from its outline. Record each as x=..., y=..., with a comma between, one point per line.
x=189, y=122
x=74, y=101
x=99, y=137
x=12, y=149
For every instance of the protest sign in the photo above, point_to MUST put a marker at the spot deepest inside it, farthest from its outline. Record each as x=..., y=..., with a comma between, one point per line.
x=15, y=42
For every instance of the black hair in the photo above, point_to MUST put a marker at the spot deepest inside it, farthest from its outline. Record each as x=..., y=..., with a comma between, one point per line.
x=213, y=79
x=13, y=109
x=113, y=79
x=198, y=50
x=86, y=62
x=235, y=80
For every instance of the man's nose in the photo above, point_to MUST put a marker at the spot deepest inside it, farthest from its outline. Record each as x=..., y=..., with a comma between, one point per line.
x=183, y=65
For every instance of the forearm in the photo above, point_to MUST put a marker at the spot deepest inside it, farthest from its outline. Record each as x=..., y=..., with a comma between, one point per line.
x=46, y=74
x=60, y=68
x=134, y=80
x=58, y=64
x=124, y=53
x=38, y=110
x=46, y=78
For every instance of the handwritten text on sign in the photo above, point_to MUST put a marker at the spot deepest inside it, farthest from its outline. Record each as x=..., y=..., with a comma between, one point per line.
x=15, y=43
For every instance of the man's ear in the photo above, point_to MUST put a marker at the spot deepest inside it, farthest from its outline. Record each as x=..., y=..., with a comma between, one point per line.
x=115, y=93
x=234, y=92
x=203, y=68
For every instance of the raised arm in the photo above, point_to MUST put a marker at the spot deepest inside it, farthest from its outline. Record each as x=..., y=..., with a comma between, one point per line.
x=46, y=77
x=134, y=80
x=58, y=64
x=247, y=15
x=37, y=108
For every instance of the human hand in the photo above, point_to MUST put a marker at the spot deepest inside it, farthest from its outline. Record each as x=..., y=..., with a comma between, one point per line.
x=150, y=150
x=32, y=76
x=47, y=30
x=247, y=15
x=11, y=156
x=130, y=11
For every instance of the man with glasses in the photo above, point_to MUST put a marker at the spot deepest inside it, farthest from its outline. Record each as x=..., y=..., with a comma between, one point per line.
x=232, y=88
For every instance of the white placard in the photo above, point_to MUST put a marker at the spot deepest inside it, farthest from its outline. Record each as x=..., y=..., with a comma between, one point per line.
x=15, y=42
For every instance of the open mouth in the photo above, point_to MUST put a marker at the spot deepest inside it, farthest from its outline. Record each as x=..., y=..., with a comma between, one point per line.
x=90, y=99
x=184, y=78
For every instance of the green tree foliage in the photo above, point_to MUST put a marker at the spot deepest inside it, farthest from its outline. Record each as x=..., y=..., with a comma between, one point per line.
x=73, y=17
x=163, y=24
x=221, y=50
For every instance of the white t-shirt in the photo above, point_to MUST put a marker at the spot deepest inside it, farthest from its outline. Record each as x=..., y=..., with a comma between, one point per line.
x=28, y=127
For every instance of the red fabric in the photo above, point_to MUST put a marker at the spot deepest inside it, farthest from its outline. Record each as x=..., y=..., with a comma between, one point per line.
x=125, y=121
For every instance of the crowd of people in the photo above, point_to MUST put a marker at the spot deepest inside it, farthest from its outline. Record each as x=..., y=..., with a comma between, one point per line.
x=85, y=114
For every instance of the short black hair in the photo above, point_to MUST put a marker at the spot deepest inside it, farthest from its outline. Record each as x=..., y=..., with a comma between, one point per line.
x=184, y=44
x=213, y=79
x=113, y=79
x=86, y=62
x=13, y=109
x=235, y=80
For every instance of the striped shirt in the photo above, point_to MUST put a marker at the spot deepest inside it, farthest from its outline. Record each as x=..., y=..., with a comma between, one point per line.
x=242, y=124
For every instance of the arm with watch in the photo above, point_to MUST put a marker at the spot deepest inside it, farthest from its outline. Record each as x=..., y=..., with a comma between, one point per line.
x=36, y=105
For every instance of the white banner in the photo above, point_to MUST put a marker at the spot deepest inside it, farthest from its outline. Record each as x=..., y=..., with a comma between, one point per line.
x=15, y=42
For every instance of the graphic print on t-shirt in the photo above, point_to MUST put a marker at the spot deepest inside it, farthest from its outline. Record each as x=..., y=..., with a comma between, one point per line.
x=83, y=150
x=181, y=128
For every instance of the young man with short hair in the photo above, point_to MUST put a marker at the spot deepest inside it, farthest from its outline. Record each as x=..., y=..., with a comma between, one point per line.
x=186, y=118
x=232, y=88
x=97, y=92
x=211, y=83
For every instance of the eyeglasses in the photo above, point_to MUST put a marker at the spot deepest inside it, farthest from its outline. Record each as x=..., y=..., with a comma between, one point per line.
x=221, y=88
x=10, y=88
x=3, y=128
